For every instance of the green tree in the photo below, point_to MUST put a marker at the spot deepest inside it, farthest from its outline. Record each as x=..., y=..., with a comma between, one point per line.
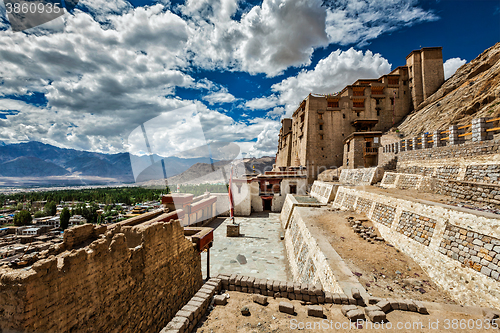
x=50, y=208
x=39, y=214
x=19, y=206
x=22, y=218
x=64, y=218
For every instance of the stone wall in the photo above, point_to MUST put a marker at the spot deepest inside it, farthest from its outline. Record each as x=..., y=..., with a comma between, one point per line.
x=323, y=192
x=306, y=261
x=130, y=279
x=458, y=248
x=363, y=176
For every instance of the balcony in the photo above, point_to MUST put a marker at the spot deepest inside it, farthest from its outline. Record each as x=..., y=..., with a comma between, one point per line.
x=371, y=151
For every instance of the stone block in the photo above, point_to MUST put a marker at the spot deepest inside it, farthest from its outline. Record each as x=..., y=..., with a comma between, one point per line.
x=269, y=285
x=260, y=299
x=232, y=287
x=283, y=294
x=232, y=279
x=372, y=308
x=344, y=299
x=403, y=305
x=233, y=230
x=178, y=323
x=361, y=302
x=220, y=300
x=186, y=314
x=306, y=298
x=394, y=303
x=244, y=289
x=352, y=301
x=291, y=296
x=289, y=287
x=411, y=306
x=315, y=311
x=376, y=316
x=421, y=308
x=384, y=306
x=238, y=279
x=286, y=307
x=303, y=289
x=328, y=297
x=347, y=308
x=243, y=281
x=276, y=286
x=250, y=282
x=238, y=288
x=298, y=297
x=336, y=299
x=283, y=286
x=313, y=299
x=355, y=293
x=355, y=315
x=321, y=299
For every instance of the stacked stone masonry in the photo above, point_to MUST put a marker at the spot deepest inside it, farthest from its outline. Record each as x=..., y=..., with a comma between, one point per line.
x=417, y=227
x=364, y=205
x=127, y=280
x=384, y=214
x=477, y=251
x=442, y=239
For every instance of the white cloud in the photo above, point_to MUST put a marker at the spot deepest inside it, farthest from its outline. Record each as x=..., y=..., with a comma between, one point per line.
x=358, y=21
x=451, y=65
x=221, y=96
x=331, y=75
x=106, y=71
x=262, y=103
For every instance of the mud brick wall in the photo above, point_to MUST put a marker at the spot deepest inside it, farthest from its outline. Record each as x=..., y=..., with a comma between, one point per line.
x=131, y=279
x=477, y=251
x=458, y=248
x=417, y=227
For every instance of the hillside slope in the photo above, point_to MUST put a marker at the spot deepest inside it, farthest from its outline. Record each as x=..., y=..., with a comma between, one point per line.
x=472, y=92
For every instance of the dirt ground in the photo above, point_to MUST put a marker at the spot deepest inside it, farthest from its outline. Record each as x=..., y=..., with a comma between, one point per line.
x=383, y=270
x=228, y=319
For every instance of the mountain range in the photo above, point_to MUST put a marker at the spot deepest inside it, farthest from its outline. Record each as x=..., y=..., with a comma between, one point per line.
x=38, y=160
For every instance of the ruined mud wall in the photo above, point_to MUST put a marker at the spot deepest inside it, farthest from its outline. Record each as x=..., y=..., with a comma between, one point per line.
x=459, y=249
x=130, y=279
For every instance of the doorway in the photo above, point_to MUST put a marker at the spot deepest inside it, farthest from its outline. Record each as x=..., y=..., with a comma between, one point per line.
x=267, y=204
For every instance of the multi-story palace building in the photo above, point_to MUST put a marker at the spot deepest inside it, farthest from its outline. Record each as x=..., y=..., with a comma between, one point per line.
x=314, y=137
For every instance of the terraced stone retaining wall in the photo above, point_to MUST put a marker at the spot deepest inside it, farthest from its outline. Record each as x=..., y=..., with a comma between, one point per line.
x=457, y=248
x=129, y=279
x=306, y=261
x=323, y=192
x=362, y=176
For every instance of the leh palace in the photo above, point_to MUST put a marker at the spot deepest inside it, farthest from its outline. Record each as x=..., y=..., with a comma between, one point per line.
x=381, y=212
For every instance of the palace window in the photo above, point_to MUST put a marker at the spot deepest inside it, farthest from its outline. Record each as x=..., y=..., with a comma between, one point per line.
x=378, y=113
x=358, y=104
x=393, y=80
x=320, y=116
x=320, y=127
x=321, y=136
x=343, y=115
x=333, y=104
x=302, y=118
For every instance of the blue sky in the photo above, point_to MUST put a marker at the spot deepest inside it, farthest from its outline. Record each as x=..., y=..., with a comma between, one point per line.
x=88, y=79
